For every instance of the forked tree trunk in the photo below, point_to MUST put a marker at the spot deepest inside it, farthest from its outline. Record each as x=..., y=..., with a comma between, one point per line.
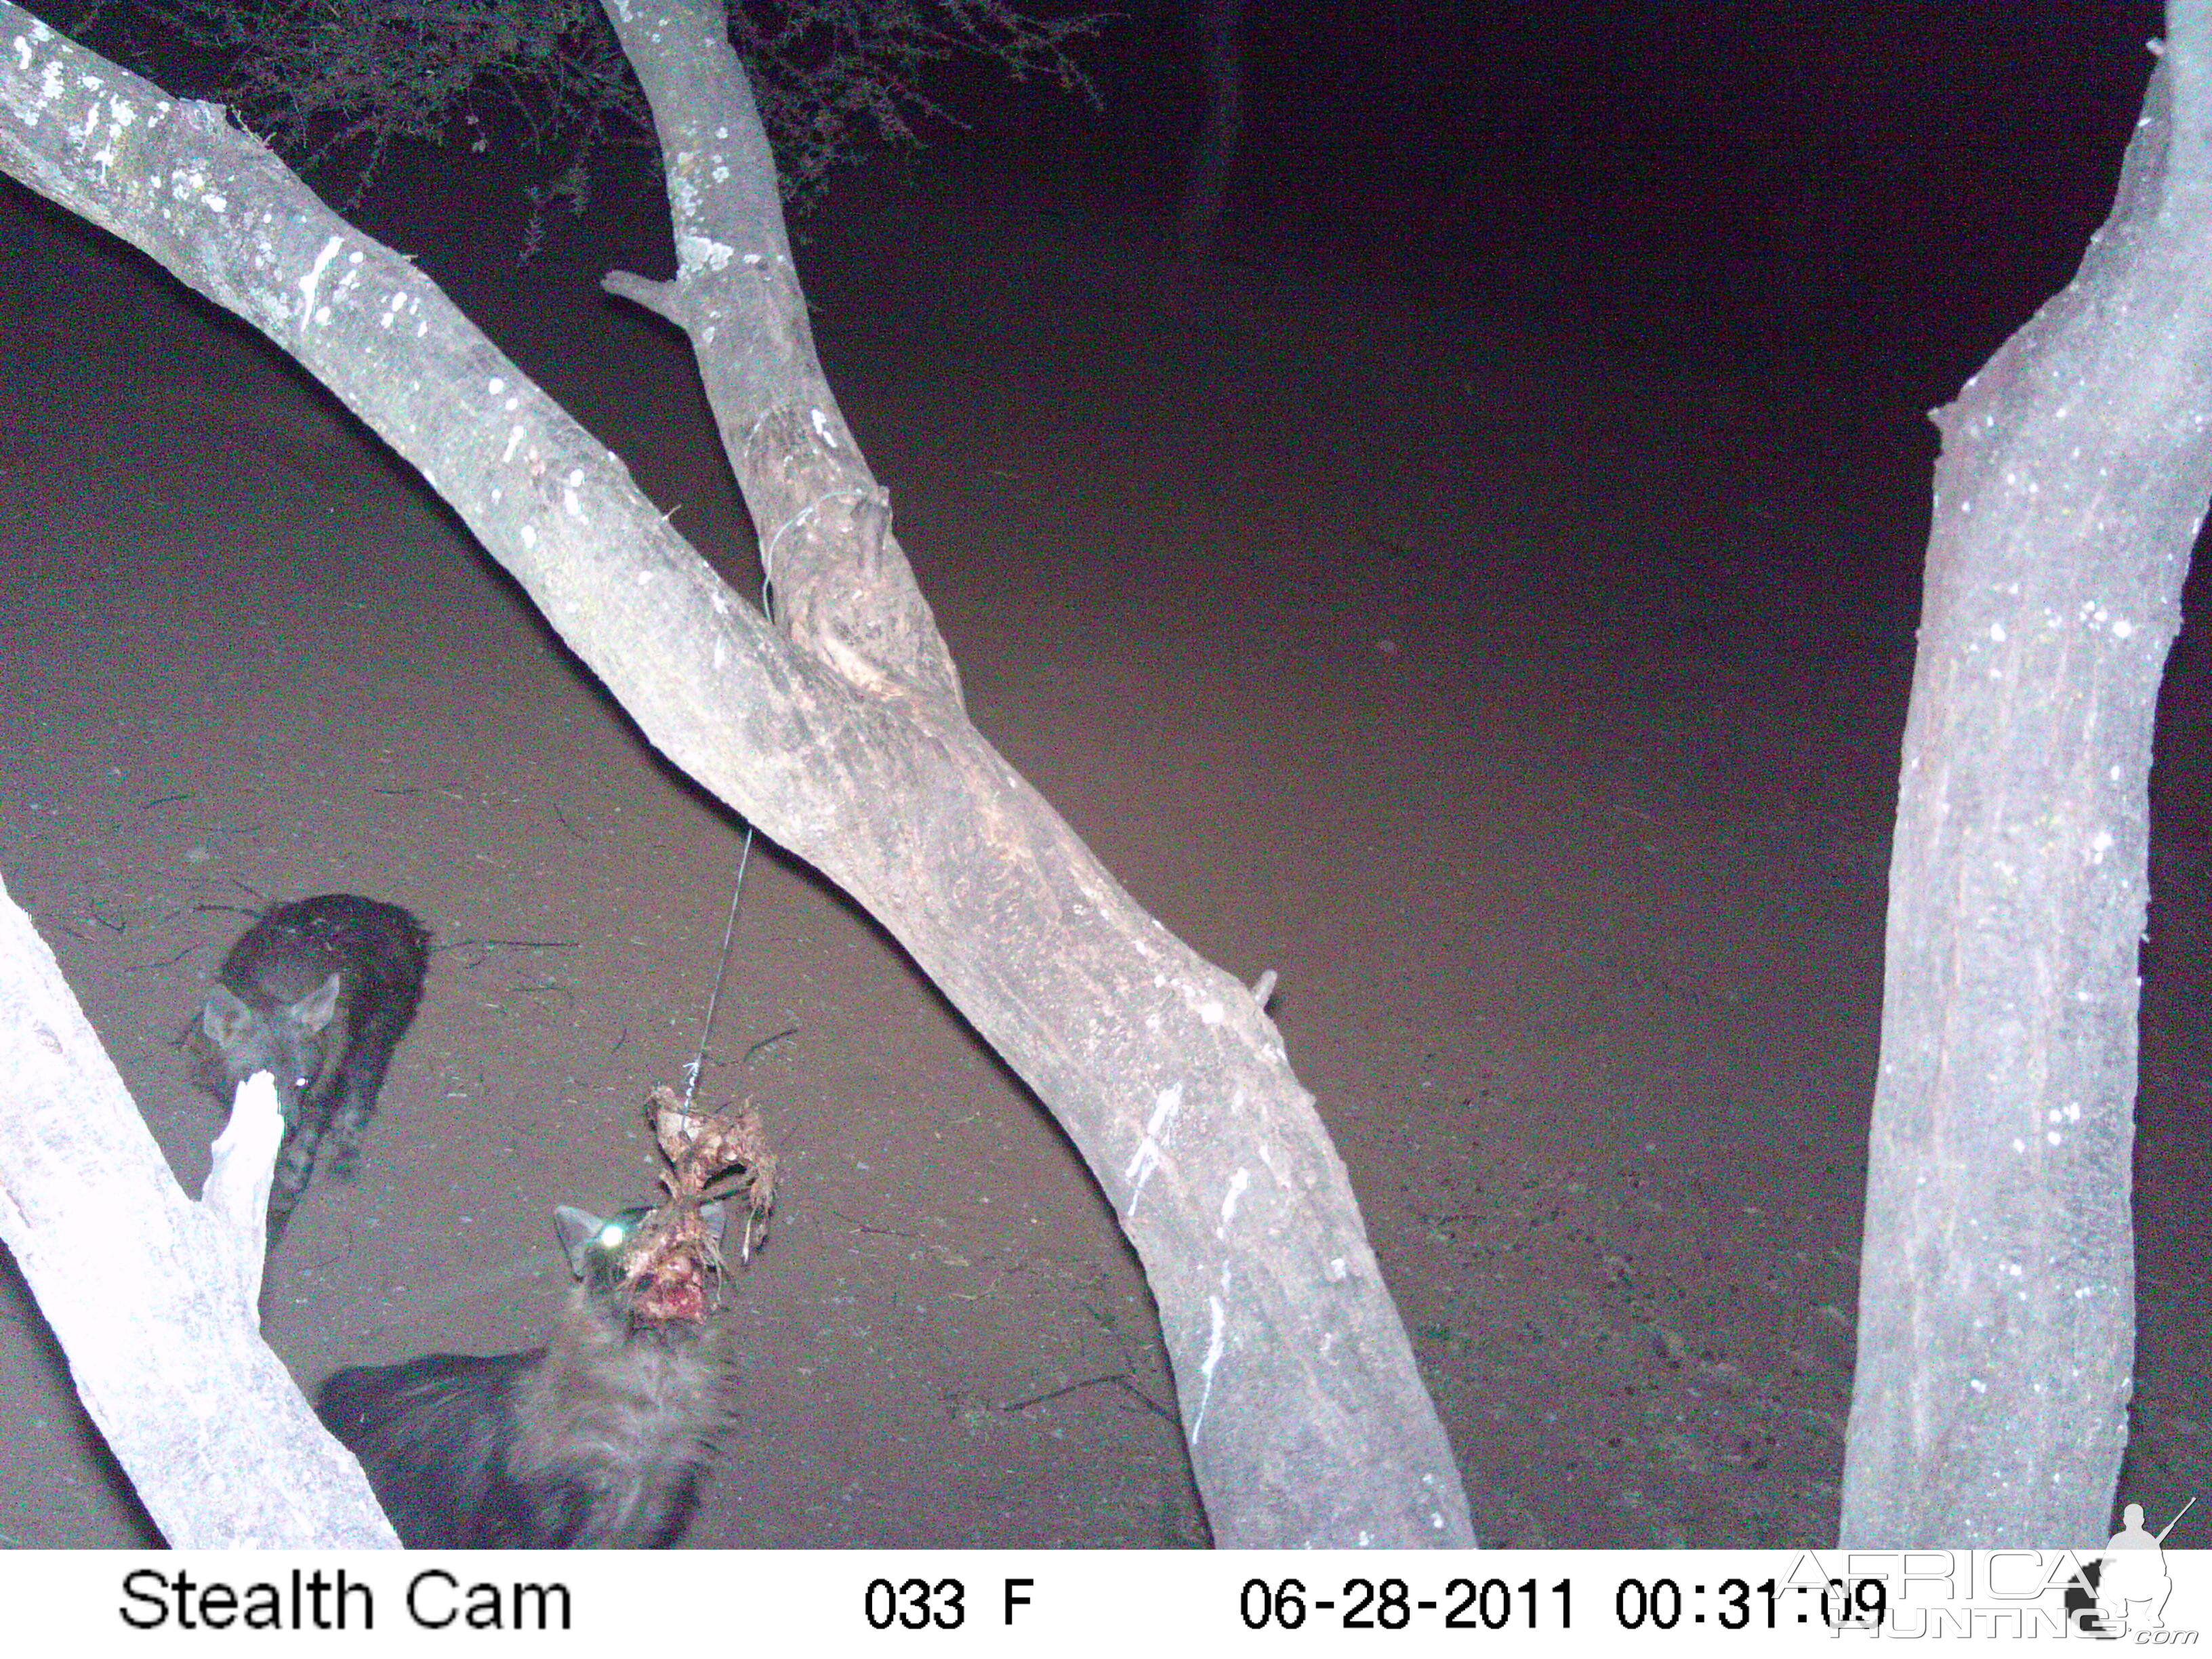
x=837, y=730
x=1996, y=1299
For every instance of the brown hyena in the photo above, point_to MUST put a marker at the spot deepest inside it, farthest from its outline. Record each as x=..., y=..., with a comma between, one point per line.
x=317, y=994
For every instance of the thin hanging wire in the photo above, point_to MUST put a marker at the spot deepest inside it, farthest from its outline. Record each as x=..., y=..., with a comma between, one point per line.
x=714, y=997
x=730, y=930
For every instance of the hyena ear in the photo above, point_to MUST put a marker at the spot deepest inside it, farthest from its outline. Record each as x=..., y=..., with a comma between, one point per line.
x=225, y=1018
x=314, y=1011
x=576, y=1229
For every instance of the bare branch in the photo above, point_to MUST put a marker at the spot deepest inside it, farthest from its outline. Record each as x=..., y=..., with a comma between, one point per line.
x=154, y=1296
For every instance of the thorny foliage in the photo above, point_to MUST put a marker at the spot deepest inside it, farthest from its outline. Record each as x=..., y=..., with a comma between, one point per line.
x=343, y=79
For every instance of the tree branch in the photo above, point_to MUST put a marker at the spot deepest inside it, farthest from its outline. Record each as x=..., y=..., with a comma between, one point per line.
x=155, y=1296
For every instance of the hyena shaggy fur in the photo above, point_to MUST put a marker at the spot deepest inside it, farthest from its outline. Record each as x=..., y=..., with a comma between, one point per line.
x=317, y=994
x=597, y=1441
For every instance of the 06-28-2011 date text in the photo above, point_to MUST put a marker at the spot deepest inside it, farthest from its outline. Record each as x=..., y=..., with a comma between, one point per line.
x=1497, y=1604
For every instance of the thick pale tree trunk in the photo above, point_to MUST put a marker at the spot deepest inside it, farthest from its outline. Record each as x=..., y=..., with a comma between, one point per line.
x=1996, y=1294
x=838, y=729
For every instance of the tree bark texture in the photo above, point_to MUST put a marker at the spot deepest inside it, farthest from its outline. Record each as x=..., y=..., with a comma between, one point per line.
x=154, y=1297
x=1997, y=1280
x=837, y=730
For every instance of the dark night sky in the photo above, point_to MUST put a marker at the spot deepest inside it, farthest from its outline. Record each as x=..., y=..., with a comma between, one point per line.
x=1915, y=170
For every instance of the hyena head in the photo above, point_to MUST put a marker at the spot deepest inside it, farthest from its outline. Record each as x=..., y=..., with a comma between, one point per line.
x=598, y=1252
x=594, y=1246
x=292, y=1041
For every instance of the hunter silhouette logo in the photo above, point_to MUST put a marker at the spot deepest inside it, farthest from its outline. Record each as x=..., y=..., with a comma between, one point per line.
x=2129, y=1577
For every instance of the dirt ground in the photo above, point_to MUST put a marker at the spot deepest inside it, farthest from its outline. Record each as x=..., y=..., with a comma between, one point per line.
x=1503, y=634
